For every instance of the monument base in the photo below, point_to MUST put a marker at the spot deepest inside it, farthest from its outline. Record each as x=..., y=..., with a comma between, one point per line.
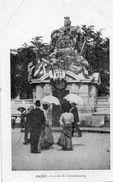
x=85, y=88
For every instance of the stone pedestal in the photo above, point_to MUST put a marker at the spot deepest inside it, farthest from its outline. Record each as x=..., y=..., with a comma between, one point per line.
x=92, y=96
x=47, y=89
x=39, y=92
x=34, y=93
x=74, y=89
x=83, y=93
x=86, y=89
x=98, y=121
x=88, y=92
x=66, y=68
x=85, y=116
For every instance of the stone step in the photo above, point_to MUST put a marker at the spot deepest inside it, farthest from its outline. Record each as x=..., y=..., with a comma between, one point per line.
x=105, y=97
x=103, y=100
x=102, y=112
x=103, y=103
x=103, y=106
x=107, y=124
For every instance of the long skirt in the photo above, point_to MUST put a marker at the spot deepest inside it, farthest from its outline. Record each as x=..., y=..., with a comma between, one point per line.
x=65, y=139
x=46, y=139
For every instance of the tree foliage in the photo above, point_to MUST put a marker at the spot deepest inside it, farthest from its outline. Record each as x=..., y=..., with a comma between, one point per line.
x=19, y=73
x=97, y=53
x=20, y=59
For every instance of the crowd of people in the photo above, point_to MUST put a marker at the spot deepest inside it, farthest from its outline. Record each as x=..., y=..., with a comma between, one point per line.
x=35, y=120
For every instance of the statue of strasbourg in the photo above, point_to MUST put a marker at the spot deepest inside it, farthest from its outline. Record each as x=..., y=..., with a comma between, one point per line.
x=64, y=54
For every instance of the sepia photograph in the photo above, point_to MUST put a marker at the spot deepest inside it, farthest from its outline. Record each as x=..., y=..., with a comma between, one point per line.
x=58, y=113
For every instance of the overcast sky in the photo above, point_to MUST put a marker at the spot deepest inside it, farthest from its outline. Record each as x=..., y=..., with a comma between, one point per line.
x=22, y=20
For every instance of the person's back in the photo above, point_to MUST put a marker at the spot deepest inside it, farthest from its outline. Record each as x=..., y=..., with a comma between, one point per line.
x=67, y=117
x=37, y=118
x=66, y=120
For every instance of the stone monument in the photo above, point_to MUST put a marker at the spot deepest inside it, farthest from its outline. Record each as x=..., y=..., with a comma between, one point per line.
x=66, y=71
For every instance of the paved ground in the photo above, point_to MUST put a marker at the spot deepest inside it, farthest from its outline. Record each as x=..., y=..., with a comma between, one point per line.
x=91, y=151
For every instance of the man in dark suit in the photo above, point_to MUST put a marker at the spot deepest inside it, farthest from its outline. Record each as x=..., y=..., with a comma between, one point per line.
x=37, y=124
x=74, y=110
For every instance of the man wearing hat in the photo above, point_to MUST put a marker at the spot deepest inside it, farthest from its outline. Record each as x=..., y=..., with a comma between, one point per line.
x=37, y=124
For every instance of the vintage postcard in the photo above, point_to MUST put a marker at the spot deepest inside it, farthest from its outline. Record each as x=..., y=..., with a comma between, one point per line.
x=56, y=94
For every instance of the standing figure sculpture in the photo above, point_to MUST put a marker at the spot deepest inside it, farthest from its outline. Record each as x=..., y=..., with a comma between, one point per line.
x=65, y=53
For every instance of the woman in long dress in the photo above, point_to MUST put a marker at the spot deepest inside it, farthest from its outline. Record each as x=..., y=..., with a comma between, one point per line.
x=66, y=120
x=46, y=139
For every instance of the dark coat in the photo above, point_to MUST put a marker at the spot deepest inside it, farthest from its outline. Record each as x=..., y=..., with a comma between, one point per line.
x=74, y=110
x=37, y=119
x=36, y=124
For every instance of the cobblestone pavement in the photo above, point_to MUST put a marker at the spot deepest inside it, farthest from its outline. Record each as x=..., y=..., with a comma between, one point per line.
x=91, y=151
